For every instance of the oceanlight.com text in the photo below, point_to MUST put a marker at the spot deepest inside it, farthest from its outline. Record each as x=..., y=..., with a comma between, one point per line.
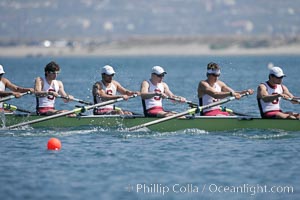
x=250, y=189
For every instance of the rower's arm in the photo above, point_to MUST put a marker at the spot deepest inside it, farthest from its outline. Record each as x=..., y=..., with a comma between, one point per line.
x=263, y=94
x=38, y=86
x=287, y=92
x=144, y=91
x=205, y=88
x=98, y=91
x=7, y=93
x=121, y=89
x=15, y=90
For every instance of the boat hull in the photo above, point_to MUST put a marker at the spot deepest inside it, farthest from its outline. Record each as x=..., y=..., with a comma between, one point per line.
x=202, y=123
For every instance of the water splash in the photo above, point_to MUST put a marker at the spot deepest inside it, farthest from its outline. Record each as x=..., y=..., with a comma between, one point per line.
x=264, y=135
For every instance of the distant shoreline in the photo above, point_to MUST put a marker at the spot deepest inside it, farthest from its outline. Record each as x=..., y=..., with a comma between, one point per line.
x=144, y=50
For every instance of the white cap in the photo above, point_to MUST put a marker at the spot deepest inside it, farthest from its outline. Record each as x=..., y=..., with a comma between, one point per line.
x=1, y=70
x=109, y=70
x=158, y=70
x=277, y=71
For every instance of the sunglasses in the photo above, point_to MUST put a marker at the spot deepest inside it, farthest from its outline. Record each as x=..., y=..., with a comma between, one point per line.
x=160, y=75
x=110, y=75
x=215, y=75
x=281, y=77
x=53, y=73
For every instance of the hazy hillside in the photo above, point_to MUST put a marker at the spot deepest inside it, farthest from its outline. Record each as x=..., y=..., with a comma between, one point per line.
x=52, y=19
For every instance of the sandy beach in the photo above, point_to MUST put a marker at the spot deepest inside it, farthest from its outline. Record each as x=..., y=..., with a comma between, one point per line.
x=144, y=50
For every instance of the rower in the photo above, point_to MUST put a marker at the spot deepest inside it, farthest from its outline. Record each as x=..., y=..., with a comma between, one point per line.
x=152, y=93
x=16, y=91
x=47, y=89
x=212, y=90
x=269, y=96
x=107, y=89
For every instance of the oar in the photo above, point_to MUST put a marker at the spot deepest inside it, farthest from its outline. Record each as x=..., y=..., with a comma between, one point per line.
x=192, y=104
x=13, y=96
x=76, y=111
x=74, y=99
x=233, y=112
x=190, y=111
x=293, y=99
x=14, y=108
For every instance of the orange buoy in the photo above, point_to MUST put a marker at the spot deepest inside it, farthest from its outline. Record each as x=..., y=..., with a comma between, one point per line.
x=54, y=144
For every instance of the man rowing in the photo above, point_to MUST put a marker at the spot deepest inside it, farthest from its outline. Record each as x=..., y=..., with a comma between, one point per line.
x=15, y=90
x=152, y=93
x=269, y=96
x=212, y=90
x=47, y=89
x=107, y=89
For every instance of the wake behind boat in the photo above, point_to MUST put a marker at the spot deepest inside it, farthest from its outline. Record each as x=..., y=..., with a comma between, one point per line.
x=123, y=121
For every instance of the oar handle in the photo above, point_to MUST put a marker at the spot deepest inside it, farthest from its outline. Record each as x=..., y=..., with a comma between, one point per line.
x=293, y=99
x=13, y=96
x=75, y=99
x=192, y=104
x=245, y=94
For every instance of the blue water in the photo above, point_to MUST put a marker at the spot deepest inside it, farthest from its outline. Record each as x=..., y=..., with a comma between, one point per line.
x=97, y=163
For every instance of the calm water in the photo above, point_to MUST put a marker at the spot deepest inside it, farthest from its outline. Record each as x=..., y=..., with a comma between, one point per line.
x=97, y=163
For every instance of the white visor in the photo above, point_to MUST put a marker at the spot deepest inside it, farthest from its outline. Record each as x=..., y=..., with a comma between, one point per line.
x=214, y=71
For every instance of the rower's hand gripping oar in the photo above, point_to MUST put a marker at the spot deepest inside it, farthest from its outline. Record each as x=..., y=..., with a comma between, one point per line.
x=76, y=111
x=190, y=111
x=190, y=103
x=75, y=99
x=13, y=96
x=293, y=100
x=14, y=108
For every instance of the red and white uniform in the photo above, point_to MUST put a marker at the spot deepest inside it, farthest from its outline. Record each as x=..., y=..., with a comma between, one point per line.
x=2, y=88
x=206, y=99
x=48, y=101
x=154, y=101
x=274, y=105
x=110, y=90
x=153, y=105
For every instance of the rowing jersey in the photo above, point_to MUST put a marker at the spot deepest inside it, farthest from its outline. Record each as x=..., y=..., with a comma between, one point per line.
x=48, y=101
x=155, y=101
x=274, y=105
x=2, y=88
x=206, y=99
x=110, y=90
